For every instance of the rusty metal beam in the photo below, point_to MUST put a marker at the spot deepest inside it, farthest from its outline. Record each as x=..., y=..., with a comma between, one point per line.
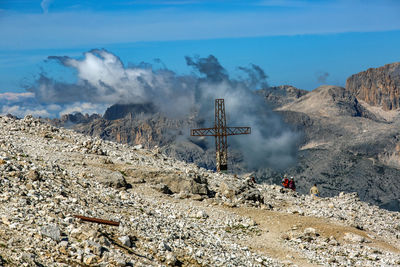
x=213, y=132
x=97, y=220
x=238, y=130
x=221, y=140
x=203, y=132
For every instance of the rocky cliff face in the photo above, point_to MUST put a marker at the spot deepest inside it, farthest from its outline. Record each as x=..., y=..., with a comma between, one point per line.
x=75, y=118
x=148, y=131
x=327, y=101
x=134, y=124
x=119, y=111
x=377, y=86
x=346, y=147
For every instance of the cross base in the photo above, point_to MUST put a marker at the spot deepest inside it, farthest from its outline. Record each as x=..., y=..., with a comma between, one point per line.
x=223, y=167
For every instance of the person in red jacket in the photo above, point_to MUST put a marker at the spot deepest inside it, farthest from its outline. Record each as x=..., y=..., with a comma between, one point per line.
x=285, y=182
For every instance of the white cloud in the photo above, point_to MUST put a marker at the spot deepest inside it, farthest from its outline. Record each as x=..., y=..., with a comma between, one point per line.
x=54, y=107
x=45, y=4
x=14, y=97
x=22, y=111
x=83, y=108
x=22, y=107
x=104, y=80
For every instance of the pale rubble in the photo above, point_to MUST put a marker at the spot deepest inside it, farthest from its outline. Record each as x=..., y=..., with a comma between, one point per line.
x=169, y=211
x=49, y=174
x=369, y=221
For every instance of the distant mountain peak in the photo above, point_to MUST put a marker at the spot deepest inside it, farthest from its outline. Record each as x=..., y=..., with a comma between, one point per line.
x=277, y=96
x=377, y=86
x=327, y=101
x=119, y=111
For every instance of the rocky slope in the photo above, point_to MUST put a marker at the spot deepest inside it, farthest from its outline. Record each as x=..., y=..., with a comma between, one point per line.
x=146, y=130
x=278, y=96
x=170, y=213
x=328, y=101
x=347, y=146
x=377, y=86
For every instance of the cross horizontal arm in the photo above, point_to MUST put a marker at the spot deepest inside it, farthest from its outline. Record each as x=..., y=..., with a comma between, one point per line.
x=213, y=132
x=238, y=130
x=203, y=132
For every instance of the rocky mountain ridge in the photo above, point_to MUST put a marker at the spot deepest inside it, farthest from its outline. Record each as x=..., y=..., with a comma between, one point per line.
x=119, y=111
x=68, y=120
x=377, y=86
x=328, y=101
x=170, y=213
x=278, y=96
x=347, y=146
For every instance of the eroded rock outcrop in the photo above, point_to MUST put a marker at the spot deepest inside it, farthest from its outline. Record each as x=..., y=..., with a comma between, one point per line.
x=119, y=111
x=328, y=100
x=278, y=96
x=377, y=86
x=67, y=120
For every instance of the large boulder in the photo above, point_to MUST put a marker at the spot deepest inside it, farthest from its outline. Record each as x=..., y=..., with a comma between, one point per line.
x=240, y=190
x=172, y=182
x=112, y=179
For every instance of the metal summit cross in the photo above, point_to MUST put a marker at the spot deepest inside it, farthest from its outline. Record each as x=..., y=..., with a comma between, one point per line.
x=221, y=132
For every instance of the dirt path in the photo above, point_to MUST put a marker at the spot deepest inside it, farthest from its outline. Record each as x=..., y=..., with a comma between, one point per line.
x=274, y=224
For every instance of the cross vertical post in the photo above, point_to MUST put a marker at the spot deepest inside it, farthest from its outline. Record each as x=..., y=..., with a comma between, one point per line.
x=221, y=142
x=220, y=131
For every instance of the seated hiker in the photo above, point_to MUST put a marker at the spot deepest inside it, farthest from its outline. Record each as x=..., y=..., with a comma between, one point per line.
x=314, y=191
x=285, y=182
x=292, y=184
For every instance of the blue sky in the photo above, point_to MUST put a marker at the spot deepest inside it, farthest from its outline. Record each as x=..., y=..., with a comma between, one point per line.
x=295, y=41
